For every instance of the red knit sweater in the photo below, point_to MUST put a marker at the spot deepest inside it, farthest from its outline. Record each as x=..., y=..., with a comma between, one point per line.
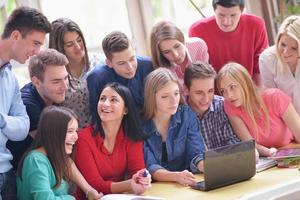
x=99, y=167
x=243, y=45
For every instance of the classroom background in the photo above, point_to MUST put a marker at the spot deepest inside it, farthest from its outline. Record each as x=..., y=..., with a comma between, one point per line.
x=136, y=17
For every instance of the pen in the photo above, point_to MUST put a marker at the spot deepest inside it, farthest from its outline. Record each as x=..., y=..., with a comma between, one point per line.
x=145, y=173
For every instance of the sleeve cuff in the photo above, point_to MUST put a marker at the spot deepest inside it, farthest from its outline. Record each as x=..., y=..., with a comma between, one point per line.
x=154, y=168
x=2, y=121
x=194, y=163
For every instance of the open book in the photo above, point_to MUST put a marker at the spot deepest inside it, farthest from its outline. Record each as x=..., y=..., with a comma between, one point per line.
x=129, y=197
x=265, y=163
x=287, y=153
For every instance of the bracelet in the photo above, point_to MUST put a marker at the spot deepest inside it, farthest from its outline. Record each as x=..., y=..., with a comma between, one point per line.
x=87, y=194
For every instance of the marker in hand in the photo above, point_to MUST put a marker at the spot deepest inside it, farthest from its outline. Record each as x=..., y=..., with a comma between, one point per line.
x=142, y=175
x=145, y=173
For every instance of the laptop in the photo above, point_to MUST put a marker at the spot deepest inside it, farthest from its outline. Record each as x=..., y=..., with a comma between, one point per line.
x=227, y=165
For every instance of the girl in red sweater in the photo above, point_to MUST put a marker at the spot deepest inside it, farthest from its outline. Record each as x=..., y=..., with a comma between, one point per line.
x=110, y=153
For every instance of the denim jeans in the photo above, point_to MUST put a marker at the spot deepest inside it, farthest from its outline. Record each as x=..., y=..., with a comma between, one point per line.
x=8, y=190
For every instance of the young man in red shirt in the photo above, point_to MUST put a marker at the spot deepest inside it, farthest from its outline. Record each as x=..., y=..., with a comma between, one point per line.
x=232, y=36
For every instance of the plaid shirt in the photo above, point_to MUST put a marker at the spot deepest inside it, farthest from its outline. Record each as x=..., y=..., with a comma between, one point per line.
x=215, y=127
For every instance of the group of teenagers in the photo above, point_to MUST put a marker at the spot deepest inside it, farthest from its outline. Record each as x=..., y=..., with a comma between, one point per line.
x=115, y=126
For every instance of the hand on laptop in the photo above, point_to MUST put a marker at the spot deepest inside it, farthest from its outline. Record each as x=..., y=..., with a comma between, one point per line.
x=185, y=178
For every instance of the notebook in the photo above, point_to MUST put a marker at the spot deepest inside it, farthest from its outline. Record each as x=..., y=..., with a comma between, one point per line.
x=287, y=153
x=227, y=165
x=265, y=163
x=129, y=197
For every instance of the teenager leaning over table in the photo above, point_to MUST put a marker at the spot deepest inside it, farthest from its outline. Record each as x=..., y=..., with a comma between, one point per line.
x=170, y=49
x=174, y=147
x=268, y=115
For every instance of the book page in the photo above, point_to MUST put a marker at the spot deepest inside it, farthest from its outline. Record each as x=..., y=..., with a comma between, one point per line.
x=129, y=197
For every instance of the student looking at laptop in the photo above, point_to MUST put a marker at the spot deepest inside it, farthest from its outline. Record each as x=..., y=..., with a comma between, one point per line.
x=268, y=116
x=232, y=35
x=174, y=143
x=170, y=49
x=216, y=130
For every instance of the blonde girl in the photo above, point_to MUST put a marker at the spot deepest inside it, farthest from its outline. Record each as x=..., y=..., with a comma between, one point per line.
x=267, y=116
x=279, y=65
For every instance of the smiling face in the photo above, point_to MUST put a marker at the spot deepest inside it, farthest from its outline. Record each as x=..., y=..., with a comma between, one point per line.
x=167, y=99
x=73, y=46
x=27, y=46
x=201, y=93
x=71, y=136
x=228, y=18
x=124, y=63
x=231, y=91
x=173, y=50
x=111, y=106
x=288, y=49
x=53, y=87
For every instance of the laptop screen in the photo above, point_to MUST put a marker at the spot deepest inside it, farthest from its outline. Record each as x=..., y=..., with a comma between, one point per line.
x=229, y=164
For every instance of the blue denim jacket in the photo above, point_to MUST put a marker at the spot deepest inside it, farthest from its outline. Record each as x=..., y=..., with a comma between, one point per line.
x=184, y=143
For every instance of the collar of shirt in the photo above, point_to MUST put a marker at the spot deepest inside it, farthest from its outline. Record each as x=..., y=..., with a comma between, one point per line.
x=3, y=66
x=175, y=119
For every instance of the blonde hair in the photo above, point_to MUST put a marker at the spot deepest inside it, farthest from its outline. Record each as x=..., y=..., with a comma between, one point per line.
x=155, y=81
x=252, y=101
x=161, y=31
x=291, y=27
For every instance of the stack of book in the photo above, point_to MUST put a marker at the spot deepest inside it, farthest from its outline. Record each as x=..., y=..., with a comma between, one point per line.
x=265, y=163
x=129, y=197
x=287, y=158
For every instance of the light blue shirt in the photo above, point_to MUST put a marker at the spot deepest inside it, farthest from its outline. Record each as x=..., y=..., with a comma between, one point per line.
x=14, y=122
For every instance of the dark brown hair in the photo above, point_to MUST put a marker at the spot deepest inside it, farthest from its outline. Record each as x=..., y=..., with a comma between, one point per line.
x=114, y=42
x=56, y=38
x=198, y=70
x=131, y=122
x=51, y=135
x=229, y=3
x=25, y=20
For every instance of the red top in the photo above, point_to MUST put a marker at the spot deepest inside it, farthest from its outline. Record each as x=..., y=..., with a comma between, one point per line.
x=99, y=167
x=242, y=45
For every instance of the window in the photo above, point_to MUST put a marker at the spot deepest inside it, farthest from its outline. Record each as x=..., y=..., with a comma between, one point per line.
x=6, y=7
x=95, y=18
x=182, y=13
